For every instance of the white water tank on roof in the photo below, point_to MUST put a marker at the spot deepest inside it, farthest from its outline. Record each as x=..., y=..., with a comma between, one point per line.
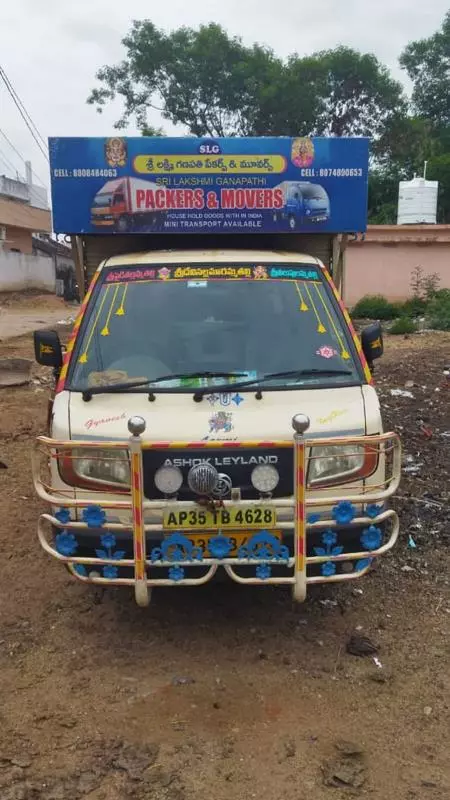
x=417, y=202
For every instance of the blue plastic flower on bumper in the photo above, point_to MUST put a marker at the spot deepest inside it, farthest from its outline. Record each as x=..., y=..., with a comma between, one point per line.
x=80, y=569
x=94, y=516
x=312, y=518
x=176, y=574
x=63, y=515
x=329, y=538
x=328, y=569
x=108, y=540
x=371, y=538
x=363, y=563
x=109, y=571
x=263, y=572
x=66, y=543
x=373, y=510
x=344, y=512
x=220, y=546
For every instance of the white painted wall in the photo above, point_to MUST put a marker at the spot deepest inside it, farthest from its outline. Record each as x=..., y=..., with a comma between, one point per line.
x=19, y=271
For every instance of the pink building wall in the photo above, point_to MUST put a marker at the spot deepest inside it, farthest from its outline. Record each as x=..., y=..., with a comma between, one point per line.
x=382, y=261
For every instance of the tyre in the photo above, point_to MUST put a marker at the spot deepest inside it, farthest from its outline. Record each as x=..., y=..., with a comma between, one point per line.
x=123, y=224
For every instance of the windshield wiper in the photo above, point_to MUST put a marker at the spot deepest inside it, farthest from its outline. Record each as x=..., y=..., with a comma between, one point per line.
x=111, y=388
x=293, y=373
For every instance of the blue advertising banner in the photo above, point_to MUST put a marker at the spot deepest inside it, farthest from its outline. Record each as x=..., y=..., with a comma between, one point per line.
x=188, y=185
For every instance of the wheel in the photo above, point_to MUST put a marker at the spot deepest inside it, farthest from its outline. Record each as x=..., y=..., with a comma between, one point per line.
x=123, y=224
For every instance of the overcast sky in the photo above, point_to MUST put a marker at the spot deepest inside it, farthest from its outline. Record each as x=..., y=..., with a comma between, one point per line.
x=51, y=49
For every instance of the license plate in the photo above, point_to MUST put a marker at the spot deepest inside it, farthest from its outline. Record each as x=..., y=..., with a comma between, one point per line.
x=228, y=518
x=237, y=538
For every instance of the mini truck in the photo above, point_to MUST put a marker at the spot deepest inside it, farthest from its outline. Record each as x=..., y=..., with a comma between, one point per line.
x=214, y=410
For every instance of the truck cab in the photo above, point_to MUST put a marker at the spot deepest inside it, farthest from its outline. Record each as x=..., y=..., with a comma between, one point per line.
x=207, y=359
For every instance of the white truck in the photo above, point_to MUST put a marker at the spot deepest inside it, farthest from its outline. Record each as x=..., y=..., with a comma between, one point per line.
x=214, y=410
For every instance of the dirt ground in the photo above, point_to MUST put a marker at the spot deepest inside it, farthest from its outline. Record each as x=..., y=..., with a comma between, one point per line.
x=23, y=312
x=225, y=691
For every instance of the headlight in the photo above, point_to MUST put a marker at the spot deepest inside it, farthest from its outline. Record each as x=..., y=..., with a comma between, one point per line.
x=340, y=464
x=265, y=478
x=168, y=479
x=95, y=468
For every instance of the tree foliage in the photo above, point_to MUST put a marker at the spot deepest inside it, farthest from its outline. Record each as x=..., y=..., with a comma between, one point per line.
x=427, y=63
x=214, y=85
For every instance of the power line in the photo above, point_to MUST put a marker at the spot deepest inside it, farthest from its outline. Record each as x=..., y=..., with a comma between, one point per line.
x=24, y=113
x=2, y=133
x=12, y=91
x=8, y=164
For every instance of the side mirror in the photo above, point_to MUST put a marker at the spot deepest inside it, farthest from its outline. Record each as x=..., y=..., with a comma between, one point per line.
x=47, y=349
x=372, y=342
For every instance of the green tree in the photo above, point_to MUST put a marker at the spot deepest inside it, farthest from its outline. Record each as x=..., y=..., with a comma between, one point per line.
x=214, y=85
x=427, y=62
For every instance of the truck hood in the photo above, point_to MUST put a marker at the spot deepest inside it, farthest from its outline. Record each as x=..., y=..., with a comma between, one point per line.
x=237, y=416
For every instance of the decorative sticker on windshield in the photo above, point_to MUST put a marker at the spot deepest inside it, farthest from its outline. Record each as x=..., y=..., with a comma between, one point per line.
x=200, y=273
x=326, y=352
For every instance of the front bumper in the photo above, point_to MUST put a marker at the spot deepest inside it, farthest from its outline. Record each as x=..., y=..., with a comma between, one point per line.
x=324, y=538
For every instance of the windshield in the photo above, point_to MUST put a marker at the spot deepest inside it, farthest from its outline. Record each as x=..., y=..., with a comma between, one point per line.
x=313, y=192
x=145, y=323
x=102, y=200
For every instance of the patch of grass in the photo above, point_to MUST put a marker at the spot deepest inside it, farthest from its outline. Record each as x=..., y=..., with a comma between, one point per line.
x=438, y=311
x=375, y=306
x=403, y=325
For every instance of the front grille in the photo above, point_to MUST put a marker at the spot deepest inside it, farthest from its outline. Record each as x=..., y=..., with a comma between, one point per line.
x=236, y=462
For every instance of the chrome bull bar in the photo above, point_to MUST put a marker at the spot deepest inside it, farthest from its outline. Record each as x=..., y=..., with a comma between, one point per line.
x=351, y=506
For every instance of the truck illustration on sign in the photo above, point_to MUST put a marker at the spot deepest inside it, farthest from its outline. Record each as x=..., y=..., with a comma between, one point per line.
x=304, y=202
x=122, y=205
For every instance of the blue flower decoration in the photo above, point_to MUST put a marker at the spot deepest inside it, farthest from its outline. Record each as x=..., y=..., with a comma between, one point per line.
x=329, y=538
x=109, y=571
x=372, y=510
x=80, y=569
x=344, y=512
x=94, y=516
x=371, y=538
x=363, y=563
x=265, y=547
x=108, y=540
x=66, y=543
x=220, y=546
x=312, y=518
x=63, y=515
x=263, y=571
x=176, y=574
x=328, y=569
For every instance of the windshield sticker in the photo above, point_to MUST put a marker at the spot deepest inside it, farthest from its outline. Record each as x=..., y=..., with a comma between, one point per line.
x=294, y=274
x=303, y=306
x=260, y=273
x=326, y=352
x=197, y=284
x=121, y=310
x=85, y=354
x=221, y=422
x=105, y=329
x=198, y=276
x=345, y=355
x=320, y=326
